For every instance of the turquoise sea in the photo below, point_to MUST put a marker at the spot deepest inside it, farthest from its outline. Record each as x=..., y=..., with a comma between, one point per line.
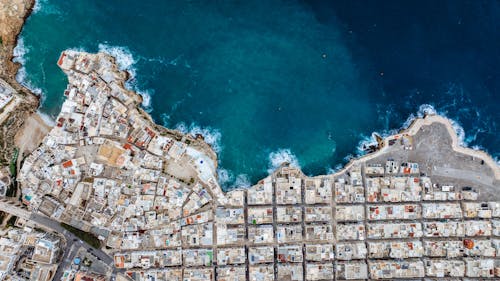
x=268, y=81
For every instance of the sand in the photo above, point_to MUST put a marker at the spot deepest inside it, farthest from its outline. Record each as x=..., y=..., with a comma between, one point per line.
x=31, y=134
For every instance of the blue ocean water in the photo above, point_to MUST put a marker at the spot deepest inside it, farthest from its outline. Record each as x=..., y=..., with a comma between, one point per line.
x=267, y=81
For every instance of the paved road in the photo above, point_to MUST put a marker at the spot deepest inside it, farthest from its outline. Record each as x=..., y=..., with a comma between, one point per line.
x=480, y=178
x=14, y=208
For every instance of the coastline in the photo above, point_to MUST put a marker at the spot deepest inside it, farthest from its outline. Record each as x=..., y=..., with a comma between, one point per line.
x=35, y=116
x=129, y=159
x=14, y=23
x=24, y=103
x=414, y=127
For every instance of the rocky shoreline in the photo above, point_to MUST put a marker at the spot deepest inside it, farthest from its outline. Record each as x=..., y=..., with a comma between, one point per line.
x=13, y=14
x=12, y=17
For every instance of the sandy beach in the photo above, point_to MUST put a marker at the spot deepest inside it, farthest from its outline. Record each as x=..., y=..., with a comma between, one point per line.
x=29, y=137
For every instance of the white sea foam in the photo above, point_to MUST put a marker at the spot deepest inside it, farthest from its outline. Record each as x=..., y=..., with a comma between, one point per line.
x=330, y=170
x=427, y=109
x=242, y=181
x=146, y=98
x=43, y=6
x=38, y=6
x=364, y=143
x=281, y=156
x=165, y=119
x=225, y=176
x=77, y=49
x=477, y=147
x=124, y=58
x=49, y=120
x=460, y=132
x=497, y=159
x=126, y=61
x=211, y=135
x=423, y=110
x=19, y=53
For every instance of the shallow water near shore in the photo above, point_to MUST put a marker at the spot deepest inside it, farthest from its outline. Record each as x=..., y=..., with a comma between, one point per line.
x=299, y=81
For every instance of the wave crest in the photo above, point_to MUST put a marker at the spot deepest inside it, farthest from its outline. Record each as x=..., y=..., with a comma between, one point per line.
x=282, y=155
x=49, y=120
x=211, y=135
x=19, y=54
x=423, y=110
x=126, y=62
x=228, y=181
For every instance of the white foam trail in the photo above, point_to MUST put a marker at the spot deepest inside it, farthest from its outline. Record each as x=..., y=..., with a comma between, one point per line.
x=38, y=6
x=124, y=58
x=242, y=181
x=126, y=61
x=281, y=156
x=43, y=6
x=477, y=147
x=364, y=143
x=19, y=53
x=146, y=98
x=165, y=119
x=330, y=170
x=49, y=120
x=224, y=176
x=460, y=132
x=78, y=49
x=211, y=135
x=497, y=159
x=423, y=110
x=426, y=109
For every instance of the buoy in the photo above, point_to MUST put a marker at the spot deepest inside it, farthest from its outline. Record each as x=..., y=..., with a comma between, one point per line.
x=323, y=55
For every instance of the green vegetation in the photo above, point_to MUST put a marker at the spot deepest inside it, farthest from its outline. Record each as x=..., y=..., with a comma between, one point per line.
x=13, y=163
x=85, y=236
x=12, y=190
x=1, y=41
x=87, y=262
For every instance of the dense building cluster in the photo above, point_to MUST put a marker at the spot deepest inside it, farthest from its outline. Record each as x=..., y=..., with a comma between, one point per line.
x=372, y=222
x=152, y=197
x=27, y=254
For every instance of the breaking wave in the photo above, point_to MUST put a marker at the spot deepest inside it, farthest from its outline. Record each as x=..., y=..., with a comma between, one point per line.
x=211, y=135
x=126, y=61
x=224, y=176
x=423, y=110
x=124, y=58
x=330, y=170
x=282, y=155
x=242, y=181
x=227, y=180
x=49, y=120
x=43, y=6
x=19, y=53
